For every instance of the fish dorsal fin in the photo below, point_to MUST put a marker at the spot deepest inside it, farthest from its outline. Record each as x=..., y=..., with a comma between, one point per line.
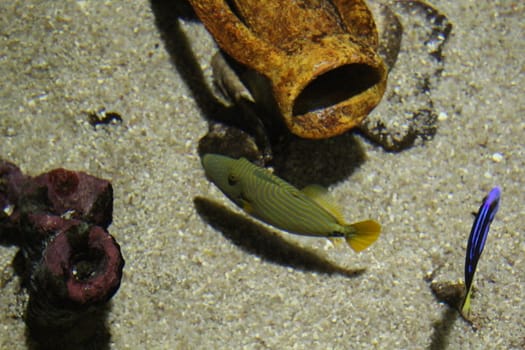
x=321, y=196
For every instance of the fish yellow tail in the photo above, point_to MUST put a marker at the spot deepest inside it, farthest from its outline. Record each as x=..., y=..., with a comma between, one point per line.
x=363, y=234
x=465, y=308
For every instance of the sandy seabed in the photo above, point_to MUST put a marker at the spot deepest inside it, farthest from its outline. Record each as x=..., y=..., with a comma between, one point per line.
x=192, y=282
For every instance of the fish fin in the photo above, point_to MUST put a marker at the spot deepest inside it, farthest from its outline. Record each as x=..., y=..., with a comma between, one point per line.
x=465, y=308
x=321, y=196
x=246, y=206
x=364, y=234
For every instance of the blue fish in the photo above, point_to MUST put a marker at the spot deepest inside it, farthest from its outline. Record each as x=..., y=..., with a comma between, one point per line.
x=476, y=242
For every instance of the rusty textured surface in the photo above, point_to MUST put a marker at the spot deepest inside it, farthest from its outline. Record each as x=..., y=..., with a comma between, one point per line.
x=320, y=58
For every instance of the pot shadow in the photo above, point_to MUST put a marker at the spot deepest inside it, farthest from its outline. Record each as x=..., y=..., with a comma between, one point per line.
x=300, y=161
x=168, y=15
x=323, y=162
x=256, y=239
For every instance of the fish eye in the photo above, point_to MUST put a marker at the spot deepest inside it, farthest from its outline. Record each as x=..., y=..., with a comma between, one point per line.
x=232, y=180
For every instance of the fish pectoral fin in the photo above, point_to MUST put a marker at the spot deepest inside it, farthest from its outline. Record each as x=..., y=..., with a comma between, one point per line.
x=246, y=205
x=321, y=196
x=365, y=233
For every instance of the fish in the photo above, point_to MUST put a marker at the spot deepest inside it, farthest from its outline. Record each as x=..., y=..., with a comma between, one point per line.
x=476, y=242
x=308, y=212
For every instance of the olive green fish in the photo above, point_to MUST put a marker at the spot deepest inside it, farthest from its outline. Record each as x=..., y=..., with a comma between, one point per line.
x=271, y=199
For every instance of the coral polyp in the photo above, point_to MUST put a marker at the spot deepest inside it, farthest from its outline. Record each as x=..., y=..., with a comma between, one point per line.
x=72, y=266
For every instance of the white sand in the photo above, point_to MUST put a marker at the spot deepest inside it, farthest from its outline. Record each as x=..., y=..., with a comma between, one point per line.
x=189, y=286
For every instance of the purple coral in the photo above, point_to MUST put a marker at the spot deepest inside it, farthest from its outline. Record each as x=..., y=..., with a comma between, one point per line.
x=12, y=183
x=59, y=220
x=88, y=198
x=86, y=263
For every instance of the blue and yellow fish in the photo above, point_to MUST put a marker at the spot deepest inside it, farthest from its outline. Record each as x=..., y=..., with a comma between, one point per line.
x=271, y=199
x=476, y=242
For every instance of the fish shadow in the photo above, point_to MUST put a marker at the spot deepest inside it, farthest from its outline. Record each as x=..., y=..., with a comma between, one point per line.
x=256, y=239
x=442, y=329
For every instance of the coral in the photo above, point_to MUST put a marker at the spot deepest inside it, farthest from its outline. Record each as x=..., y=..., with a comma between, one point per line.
x=72, y=265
